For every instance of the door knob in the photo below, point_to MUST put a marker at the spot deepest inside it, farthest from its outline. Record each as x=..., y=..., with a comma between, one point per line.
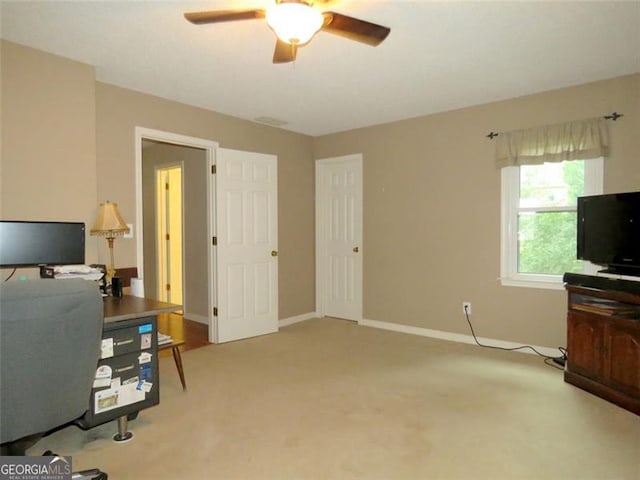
x=274, y=253
x=356, y=249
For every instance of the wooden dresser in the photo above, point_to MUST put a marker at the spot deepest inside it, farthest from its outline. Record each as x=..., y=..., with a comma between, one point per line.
x=603, y=338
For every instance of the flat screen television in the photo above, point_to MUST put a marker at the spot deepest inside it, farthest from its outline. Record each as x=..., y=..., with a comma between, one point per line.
x=609, y=232
x=29, y=244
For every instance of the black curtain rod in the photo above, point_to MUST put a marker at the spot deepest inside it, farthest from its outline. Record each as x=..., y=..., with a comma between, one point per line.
x=613, y=116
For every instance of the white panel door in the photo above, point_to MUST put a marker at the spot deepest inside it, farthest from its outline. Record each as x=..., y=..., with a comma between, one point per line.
x=339, y=227
x=247, y=244
x=169, y=234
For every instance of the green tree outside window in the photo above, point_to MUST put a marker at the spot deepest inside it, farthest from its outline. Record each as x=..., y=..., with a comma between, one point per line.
x=547, y=217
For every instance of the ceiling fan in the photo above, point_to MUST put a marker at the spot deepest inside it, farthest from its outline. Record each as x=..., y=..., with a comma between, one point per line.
x=295, y=22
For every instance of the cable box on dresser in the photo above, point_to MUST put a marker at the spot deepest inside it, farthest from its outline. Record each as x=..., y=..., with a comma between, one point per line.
x=603, y=338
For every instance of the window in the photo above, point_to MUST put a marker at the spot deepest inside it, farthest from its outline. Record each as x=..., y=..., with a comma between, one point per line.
x=539, y=220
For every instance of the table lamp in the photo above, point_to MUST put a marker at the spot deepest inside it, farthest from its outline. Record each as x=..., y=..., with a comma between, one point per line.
x=110, y=225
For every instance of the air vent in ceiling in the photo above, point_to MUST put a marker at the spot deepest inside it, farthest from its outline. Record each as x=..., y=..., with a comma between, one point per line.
x=274, y=122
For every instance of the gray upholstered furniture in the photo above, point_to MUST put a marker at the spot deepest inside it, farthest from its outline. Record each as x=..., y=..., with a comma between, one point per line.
x=50, y=334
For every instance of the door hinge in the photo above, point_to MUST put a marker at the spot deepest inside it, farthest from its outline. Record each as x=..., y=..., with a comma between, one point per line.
x=166, y=236
x=214, y=240
x=215, y=311
x=213, y=169
x=168, y=287
x=166, y=186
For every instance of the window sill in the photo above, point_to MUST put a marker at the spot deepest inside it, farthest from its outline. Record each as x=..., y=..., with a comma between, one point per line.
x=548, y=285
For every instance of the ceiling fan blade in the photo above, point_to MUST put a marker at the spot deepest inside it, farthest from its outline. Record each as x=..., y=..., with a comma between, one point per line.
x=354, y=29
x=216, y=16
x=284, y=52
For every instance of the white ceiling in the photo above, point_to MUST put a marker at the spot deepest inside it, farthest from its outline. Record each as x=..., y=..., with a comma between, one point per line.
x=439, y=56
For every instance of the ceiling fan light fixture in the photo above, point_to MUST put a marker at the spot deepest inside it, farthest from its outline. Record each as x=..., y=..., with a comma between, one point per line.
x=294, y=22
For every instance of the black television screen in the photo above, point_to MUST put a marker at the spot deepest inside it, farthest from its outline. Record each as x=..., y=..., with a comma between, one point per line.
x=26, y=244
x=609, y=231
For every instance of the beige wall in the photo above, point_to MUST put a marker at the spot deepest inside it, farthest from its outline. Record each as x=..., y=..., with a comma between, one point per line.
x=68, y=144
x=120, y=110
x=48, y=140
x=432, y=210
x=431, y=190
x=195, y=245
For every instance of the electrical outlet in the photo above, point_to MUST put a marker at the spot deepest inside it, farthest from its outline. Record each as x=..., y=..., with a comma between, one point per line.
x=466, y=308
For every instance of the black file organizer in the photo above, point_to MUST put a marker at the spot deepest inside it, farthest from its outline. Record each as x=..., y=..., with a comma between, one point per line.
x=130, y=341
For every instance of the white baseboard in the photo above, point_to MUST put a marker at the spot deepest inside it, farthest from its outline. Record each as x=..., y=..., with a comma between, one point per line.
x=298, y=318
x=196, y=318
x=281, y=323
x=454, y=337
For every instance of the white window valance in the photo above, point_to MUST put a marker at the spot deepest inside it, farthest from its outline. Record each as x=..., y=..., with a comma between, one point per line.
x=577, y=140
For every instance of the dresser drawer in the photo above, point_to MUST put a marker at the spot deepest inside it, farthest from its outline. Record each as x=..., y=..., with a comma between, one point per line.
x=136, y=365
x=132, y=386
x=120, y=341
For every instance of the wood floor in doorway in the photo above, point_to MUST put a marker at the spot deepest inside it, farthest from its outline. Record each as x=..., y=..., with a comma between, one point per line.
x=194, y=334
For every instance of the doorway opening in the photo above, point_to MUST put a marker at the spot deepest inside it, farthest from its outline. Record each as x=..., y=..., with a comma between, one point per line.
x=196, y=157
x=216, y=228
x=169, y=234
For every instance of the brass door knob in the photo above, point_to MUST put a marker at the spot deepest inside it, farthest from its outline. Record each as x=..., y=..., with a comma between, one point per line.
x=274, y=253
x=356, y=249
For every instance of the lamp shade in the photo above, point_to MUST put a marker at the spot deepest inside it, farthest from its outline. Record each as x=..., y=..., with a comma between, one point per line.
x=294, y=22
x=109, y=222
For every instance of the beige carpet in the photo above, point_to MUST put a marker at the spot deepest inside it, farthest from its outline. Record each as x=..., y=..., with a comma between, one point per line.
x=328, y=399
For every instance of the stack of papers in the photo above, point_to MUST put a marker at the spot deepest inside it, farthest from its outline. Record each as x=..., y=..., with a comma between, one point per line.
x=77, y=271
x=164, y=339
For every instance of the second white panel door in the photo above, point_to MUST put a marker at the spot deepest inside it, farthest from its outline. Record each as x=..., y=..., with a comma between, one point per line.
x=339, y=225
